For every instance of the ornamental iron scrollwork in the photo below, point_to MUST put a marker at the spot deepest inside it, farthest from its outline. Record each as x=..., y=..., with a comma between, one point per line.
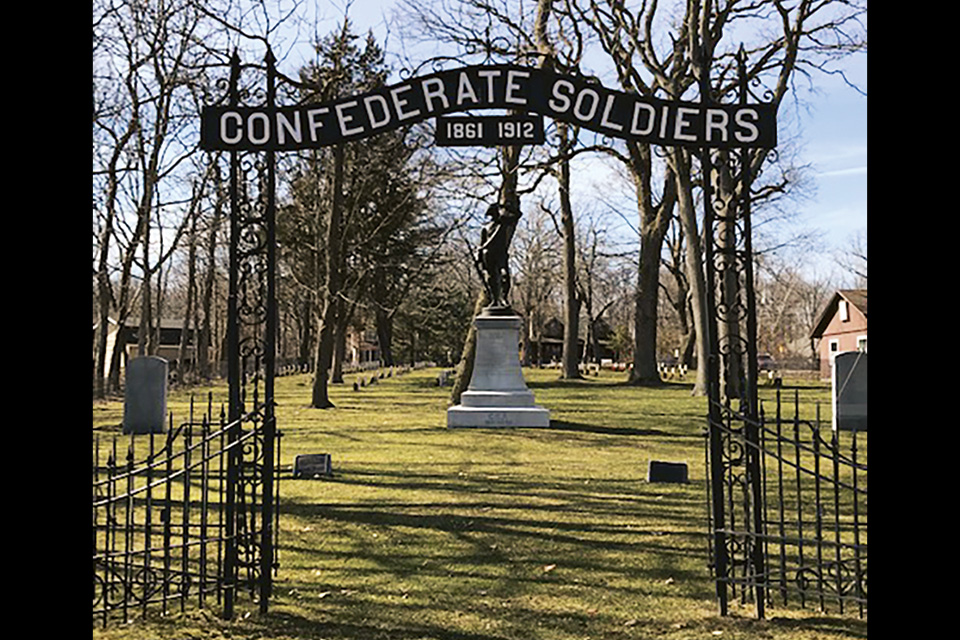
x=787, y=500
x=252, y=336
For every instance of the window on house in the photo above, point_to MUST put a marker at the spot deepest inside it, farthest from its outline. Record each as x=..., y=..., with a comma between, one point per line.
x=844, y=311
x=834, y=348
x=862, y=343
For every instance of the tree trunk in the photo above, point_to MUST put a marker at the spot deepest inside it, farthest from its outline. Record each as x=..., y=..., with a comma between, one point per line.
x=339, y=353
x=205, y=337
x=191, y=294
x=143, y=334
x=384, y=322
x=728, y=328
x=305, y=331
x=571, y=302
x=654, y=221
x=570, y=368
x=324, y=356
x=525, y=343
x=695, y=267
x=119, y=352
x=645, y=321
x=344, y=318
x=100, y=346
x=465, y=368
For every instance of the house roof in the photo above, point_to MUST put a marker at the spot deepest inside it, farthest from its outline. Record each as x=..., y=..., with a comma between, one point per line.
x=856, y=297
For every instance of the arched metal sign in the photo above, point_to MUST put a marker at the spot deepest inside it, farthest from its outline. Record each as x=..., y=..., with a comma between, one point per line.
x=566, y=98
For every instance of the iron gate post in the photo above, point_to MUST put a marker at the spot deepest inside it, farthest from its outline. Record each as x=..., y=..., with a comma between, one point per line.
x=752, y=422
x=269, y=420
x=720, y=559
x=233, y=365
x=251, y=367
x=728, y=377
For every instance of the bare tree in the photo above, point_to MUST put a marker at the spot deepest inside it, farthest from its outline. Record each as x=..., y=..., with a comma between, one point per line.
x=504, y=31
x=660, y=52
x=144, y=64
x=596, y=278
x=536, y=256
x=151, y=63
x=853, y=259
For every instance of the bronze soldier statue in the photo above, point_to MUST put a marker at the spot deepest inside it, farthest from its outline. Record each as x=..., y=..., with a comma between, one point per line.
x=492, y=256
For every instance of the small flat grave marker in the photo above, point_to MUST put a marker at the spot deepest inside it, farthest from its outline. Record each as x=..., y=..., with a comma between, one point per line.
x=675, y=472
x=312, y=465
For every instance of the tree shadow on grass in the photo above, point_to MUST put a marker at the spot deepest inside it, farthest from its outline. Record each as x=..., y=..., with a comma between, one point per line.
x=307, y=627
x=852, y=627
x=588, y=382
x=585, y=383
x=582, y=427
x=561, y=425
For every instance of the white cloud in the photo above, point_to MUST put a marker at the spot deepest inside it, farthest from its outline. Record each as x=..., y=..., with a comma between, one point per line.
x=850, y=171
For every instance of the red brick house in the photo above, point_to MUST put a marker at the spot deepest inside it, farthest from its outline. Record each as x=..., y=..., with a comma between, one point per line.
x=842, y=326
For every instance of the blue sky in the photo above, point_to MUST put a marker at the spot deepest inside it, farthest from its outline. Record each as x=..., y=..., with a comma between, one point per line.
x=833, y=133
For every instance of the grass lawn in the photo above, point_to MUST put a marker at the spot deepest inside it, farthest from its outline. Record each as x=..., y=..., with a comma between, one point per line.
x=426, y=533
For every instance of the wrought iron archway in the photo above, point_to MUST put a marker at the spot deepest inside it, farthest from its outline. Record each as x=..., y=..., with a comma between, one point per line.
x=258, y=131
x=248, y=526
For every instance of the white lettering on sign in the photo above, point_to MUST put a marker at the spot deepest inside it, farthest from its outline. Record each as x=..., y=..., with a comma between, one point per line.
x=489, y=75
x=437, y=92
x=682, y=123
x=560, y=102
x=314, y=122
x=522, y=130
x=368, y=103
x=663, y=121
x=465, y=90
x=343, y=118
x=717, y=120
x=252, y=128
x=224, y=135
x=400, y=104
x=605, y=120
x=284, y=126
x=594, y=103
x=650, y=115
x=513, y=86
x=464, y=130
x=740, y=118
x=565, y=98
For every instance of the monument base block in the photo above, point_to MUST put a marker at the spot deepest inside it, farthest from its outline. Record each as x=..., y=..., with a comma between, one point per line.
x=497, y=395
x=493, y=417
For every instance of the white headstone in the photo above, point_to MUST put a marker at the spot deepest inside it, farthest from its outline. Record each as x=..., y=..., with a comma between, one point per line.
x=145, y=395
x=849, y=391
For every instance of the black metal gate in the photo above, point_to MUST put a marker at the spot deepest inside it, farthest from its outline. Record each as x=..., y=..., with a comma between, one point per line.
x=192, y=515
x=182, y=518
x=787, y=503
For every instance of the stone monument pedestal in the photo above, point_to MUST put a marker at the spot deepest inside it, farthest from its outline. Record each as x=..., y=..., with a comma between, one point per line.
x=497, y=395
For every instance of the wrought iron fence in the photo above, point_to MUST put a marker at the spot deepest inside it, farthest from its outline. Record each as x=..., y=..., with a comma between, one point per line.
x=793, y=531
x=178, y=518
